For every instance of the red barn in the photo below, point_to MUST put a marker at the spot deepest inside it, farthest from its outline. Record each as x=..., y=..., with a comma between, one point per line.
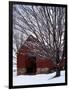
x=31, y=60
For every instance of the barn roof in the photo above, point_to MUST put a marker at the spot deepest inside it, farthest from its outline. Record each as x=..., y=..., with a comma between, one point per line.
x=31, y=38
x=34, y=46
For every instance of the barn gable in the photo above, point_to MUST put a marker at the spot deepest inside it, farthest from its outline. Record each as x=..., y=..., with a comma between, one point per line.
x=34, y=47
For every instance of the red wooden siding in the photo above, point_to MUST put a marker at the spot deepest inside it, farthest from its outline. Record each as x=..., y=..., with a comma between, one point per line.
x=22, y=58
x=43, y=63
x=21, y=61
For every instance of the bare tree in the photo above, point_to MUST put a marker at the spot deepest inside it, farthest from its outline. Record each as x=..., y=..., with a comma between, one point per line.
x=46, y=23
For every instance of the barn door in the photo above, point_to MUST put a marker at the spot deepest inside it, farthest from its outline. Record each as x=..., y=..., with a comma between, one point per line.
x=32, y=65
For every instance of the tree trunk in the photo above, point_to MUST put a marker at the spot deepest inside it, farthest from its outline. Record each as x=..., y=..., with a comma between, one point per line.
x=57, y=71
x=57, y=64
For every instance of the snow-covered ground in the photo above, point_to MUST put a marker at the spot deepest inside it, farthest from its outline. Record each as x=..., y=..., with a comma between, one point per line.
x=38, y=79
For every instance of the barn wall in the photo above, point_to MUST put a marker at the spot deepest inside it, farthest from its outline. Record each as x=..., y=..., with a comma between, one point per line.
x=22, y=58
x=21, y=64
x=44, y=65
x=21, y=61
